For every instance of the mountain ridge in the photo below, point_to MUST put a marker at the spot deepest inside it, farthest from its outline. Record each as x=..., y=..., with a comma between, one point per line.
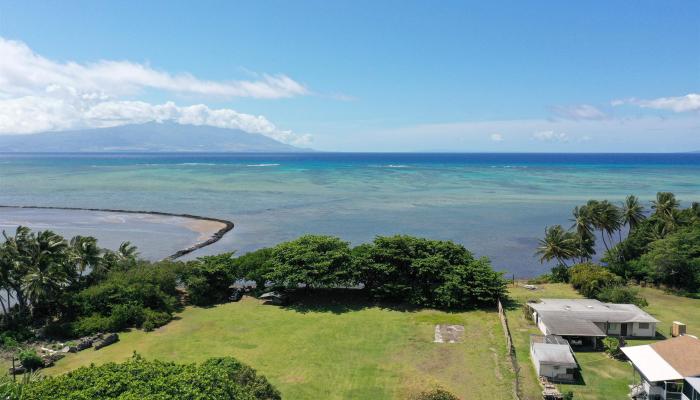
x=147, y=137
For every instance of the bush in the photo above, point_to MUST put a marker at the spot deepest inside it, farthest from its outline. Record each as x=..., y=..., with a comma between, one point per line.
x=560, y=274
x=436, y=394
x=589, y=279
x=612, y=347
x=622, y=294
x=141, y=379
x=568, y=395
x=30, y=360
x=154, y=319
x=244, y=376
x=90, y=325
x=126, y=315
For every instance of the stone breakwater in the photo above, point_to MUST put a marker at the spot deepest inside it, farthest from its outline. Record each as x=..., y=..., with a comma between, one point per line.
x=215, y=237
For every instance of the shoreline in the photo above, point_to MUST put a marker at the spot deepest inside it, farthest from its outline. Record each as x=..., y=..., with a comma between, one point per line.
x=215, y=237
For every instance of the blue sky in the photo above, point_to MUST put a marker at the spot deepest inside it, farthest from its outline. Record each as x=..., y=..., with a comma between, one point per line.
x=367, y=76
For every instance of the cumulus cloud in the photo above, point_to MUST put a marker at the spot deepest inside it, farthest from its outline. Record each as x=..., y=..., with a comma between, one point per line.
x=38, y=94
x=689, y=102
x=551, y=136
x=496, y=137
x=579, y=112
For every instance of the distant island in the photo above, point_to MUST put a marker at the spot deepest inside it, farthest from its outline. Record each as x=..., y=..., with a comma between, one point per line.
x=148, y=137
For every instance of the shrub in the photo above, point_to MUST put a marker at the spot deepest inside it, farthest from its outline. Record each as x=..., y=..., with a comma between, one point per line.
x=30, y=360
x=612, y=347
x=90, y=325
x=568, y=395
x=436, y=394
x=589, y=279
x=622, y=294
x=126, y=315
x=142, y=379
x=244, y=376
x=560, y=274
x=154, y=319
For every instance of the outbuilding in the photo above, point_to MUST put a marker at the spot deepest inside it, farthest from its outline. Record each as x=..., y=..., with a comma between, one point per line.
x=553, y=358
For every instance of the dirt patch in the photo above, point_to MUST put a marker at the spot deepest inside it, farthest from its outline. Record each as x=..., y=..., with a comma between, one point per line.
x=449, y=333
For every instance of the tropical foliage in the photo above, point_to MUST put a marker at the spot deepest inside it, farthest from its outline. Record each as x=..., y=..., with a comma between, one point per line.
x=218, y=378
x=661, y=246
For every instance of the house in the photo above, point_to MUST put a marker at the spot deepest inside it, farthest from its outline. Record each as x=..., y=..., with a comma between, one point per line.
x=583, y=321
x=691, y=389
x=665, y=368
x=553, y=358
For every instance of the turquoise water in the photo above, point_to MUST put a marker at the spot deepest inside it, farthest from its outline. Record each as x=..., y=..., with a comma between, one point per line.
x=495, y=204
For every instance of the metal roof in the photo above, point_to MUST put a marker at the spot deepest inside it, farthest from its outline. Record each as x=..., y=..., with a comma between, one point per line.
x=570, y=325
x=554, y=354
x=694, y=382
x=577, y=316
x=650, y=364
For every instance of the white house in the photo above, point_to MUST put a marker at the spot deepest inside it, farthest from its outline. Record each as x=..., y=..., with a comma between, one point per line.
x=667, y=369
x=553, y=358
x=579, y=319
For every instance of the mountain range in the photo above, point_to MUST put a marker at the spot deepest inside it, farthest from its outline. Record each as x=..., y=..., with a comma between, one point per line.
x=148, y=137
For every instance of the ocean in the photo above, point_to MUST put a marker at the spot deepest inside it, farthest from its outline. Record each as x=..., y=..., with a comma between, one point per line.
x=497, y=205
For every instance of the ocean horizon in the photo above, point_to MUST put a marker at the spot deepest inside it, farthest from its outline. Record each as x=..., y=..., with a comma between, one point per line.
x=495, y=204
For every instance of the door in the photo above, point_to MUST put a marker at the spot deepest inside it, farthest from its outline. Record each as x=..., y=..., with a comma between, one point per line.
x=623, y=329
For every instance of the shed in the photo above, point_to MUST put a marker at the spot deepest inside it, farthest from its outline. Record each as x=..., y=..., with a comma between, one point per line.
x=553, y=358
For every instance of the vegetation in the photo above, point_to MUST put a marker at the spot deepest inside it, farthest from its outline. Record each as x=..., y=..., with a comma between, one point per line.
x=30, y=360
x=219, y=378
x=612, y=346
x=661, y=248
x=436, y=394
x=208, y=279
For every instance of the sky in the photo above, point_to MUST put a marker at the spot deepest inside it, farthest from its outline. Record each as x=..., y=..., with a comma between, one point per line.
x=486, y=76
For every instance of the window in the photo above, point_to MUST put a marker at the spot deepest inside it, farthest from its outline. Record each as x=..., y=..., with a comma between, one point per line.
x=612, y=326
x=643, y=325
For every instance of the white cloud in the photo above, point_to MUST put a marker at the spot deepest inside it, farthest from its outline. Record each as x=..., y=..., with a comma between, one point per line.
x=689, y=102
x=551, y=136
x=579, y=112
x=24, y=72
x=496, y=137
x=38, y=94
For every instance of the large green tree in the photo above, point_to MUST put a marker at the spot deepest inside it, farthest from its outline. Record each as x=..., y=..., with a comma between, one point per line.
x=311, y=261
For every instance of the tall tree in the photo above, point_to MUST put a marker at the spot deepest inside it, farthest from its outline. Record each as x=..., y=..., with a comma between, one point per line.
x=583, y=227
x=85, y=253
x=632, y=213
x=557, y=244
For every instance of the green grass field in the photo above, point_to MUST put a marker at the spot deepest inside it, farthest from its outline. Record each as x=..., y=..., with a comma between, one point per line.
x=604, y=378
x=313, y=352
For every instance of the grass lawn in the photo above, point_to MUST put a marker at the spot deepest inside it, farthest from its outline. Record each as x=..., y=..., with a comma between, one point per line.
x=604, y=378
x=320, y=352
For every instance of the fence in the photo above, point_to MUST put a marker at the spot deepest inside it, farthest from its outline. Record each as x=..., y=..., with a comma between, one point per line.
x=511, y=349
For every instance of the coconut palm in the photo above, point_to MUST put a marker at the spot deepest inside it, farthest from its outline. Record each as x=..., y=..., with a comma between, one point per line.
x=85, y=253
x=632, y=212
x=557, y=244
x=607, y=218
x=583, y=227
x=127, y=251
x=47, y=267
x=665, y=204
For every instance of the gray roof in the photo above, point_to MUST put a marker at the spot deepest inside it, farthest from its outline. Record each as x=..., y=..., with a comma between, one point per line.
x=583, y=312
x=569, y=325
x=694, y=382
x=554, y=354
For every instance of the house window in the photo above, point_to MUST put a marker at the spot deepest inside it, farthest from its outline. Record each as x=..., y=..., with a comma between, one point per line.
x=612, y=326
x=643, y=325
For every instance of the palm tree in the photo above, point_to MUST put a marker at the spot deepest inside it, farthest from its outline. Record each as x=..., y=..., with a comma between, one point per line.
x=127, y=251
x=632, y=213
x=584, y=238
x=85, y=253
x=606, y=217
x=665, y=204
x=557, y=244
x=47, y=269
